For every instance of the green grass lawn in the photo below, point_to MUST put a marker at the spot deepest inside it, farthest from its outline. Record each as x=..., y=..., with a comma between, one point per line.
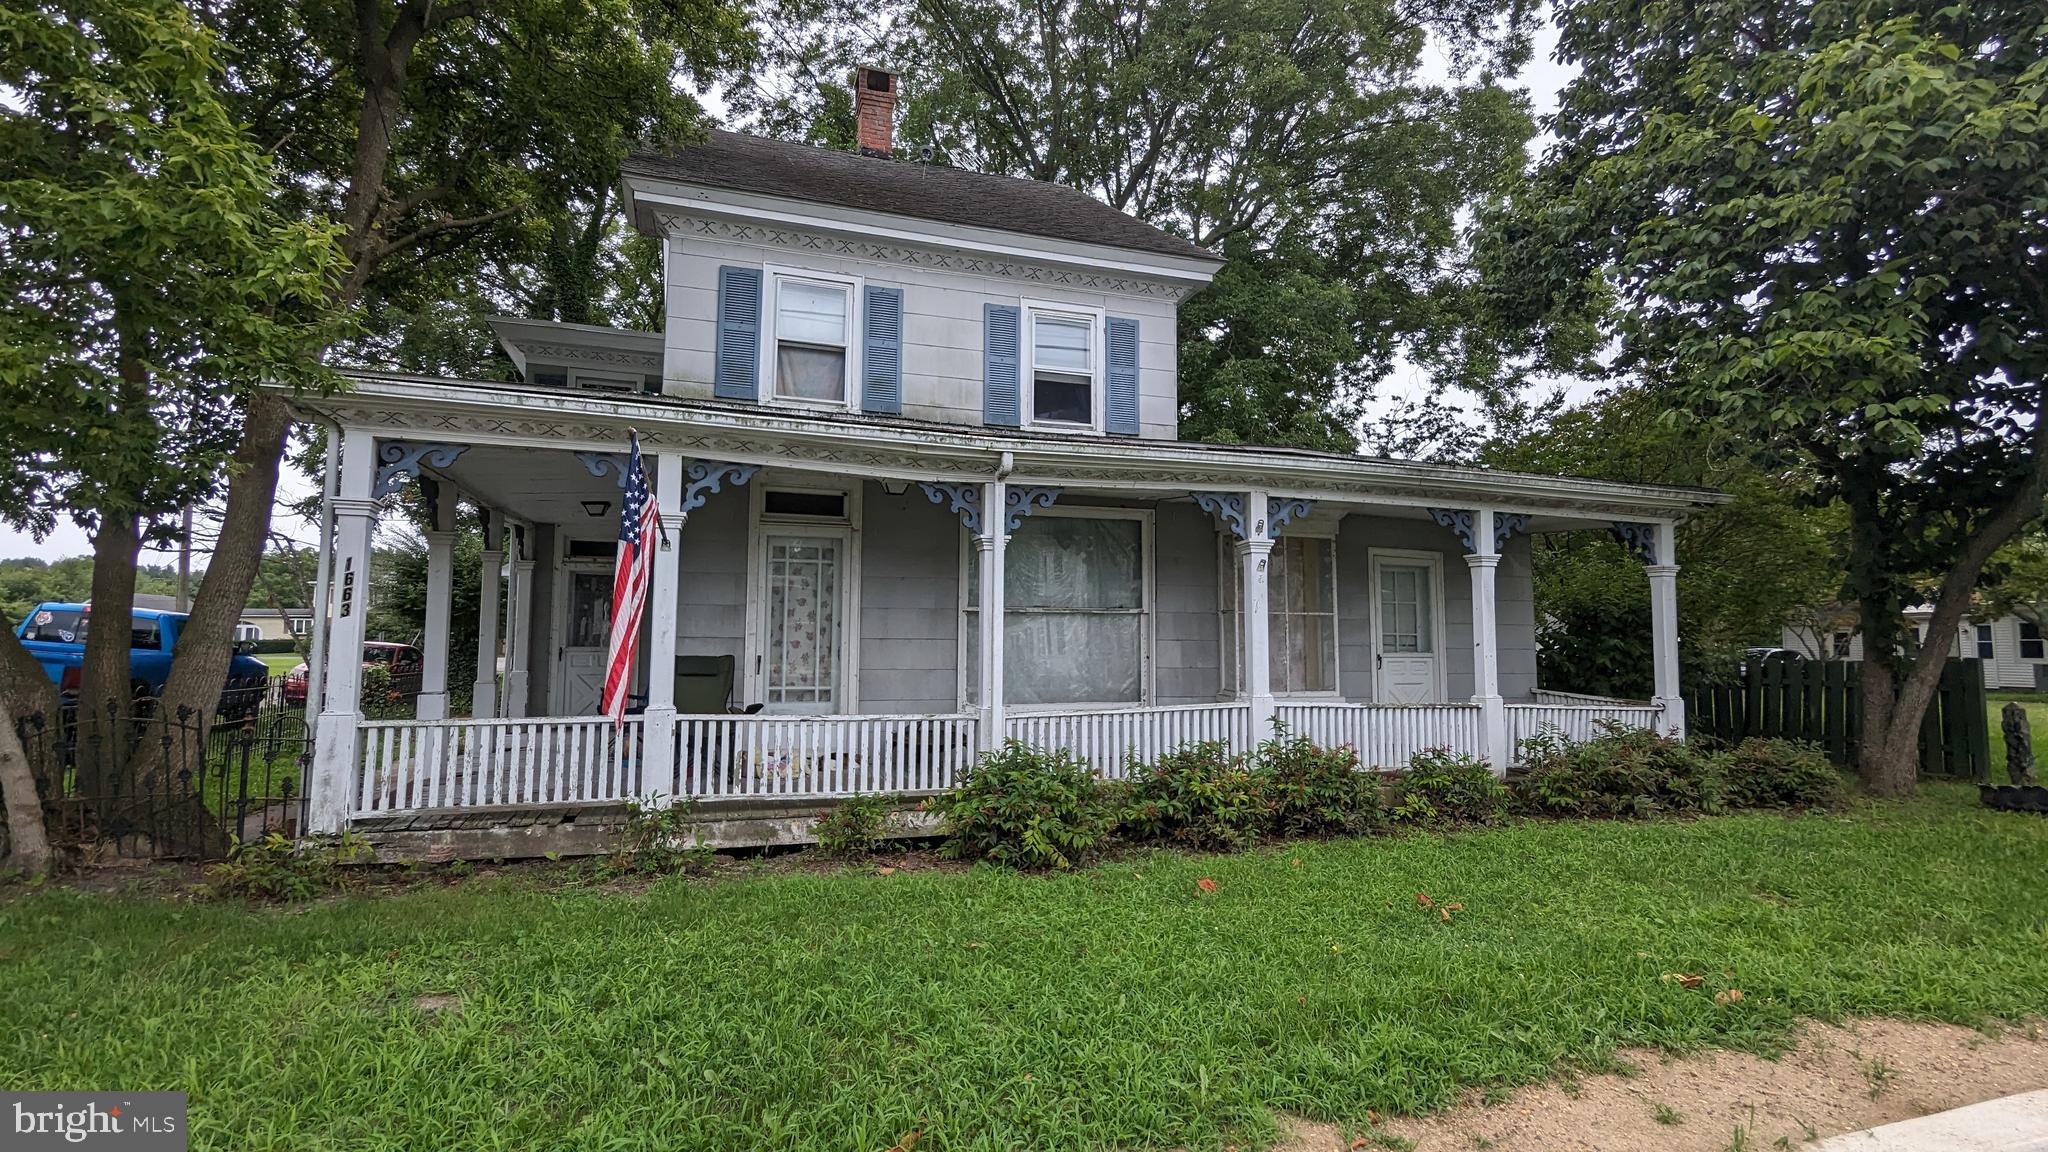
x=2036, y=705
x=1114, y=1008
x=280, y=663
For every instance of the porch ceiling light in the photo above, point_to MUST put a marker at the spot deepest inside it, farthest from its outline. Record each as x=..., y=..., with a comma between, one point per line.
x=895, y=487
x=596, y=507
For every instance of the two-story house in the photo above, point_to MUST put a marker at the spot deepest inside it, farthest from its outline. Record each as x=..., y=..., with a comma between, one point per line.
x=913, y=435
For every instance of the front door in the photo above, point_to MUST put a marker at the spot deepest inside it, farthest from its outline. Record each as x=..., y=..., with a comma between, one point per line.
x=1405, y=656
x=586, y=638
x=803, y=606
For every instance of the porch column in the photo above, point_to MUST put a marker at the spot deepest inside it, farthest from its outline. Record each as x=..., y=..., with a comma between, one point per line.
x=336, y=735
x=433, y=698
x=1484, y=562
x=1253, y=553
x=1664, y=629
x=989, y=545
x=490, y=576
x=518, y=628
x=659, y=721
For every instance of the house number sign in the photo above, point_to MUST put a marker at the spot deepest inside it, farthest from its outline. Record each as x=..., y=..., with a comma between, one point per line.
x=348, y=586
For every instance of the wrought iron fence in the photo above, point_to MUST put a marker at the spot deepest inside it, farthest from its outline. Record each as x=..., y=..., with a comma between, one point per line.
x=131, y=779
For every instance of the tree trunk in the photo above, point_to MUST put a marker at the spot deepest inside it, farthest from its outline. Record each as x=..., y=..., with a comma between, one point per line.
x=207, y=645
x=106, y=703
x=28, y=842
x=1878, y=759
x=25, y=689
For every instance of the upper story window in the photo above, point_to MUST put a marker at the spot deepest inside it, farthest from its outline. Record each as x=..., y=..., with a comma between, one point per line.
x=1063, y=385
x=2031, y=645
x=811, y=338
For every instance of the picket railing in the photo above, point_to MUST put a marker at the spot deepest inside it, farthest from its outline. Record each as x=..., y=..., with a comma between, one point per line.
x=1552, y=696
x=820, y=756
x=1109, y=738
x=1576, y=722
x=1386, y=735
x=413, y=764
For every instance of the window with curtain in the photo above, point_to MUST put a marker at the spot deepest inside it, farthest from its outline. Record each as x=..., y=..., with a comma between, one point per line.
x=1301, y=615
x=811, y=333
x=1074, y=612
x=1062, y=368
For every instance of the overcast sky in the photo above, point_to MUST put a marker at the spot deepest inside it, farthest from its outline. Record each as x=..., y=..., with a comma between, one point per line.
x=1544, y=78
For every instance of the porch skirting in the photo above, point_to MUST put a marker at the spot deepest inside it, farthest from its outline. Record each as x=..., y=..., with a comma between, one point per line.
x=415, y=765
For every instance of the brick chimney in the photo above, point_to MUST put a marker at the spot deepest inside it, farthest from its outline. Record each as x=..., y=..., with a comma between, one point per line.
x=874, y=110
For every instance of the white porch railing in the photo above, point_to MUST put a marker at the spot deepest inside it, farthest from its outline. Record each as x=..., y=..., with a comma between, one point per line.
x=1108, y=738
x=818, y=756
x=1386, y=735
x=412, y=764
x=1576, y=722
x=1552, y=696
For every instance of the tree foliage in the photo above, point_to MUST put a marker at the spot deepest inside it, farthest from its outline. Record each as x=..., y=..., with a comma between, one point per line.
x=1825, y=224
x=1747, y=566
x=1300, y=139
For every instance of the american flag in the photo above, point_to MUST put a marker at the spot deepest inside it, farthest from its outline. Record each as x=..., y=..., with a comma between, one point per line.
x=639, y=519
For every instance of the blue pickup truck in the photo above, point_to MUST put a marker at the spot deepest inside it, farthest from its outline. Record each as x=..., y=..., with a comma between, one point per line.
x=55, y=635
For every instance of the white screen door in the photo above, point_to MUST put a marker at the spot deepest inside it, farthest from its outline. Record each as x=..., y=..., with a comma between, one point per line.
x=803, y=605
x=1405, y=653
x=586, y=638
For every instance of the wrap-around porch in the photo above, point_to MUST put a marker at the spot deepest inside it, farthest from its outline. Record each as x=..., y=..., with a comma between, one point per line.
x=814, y=626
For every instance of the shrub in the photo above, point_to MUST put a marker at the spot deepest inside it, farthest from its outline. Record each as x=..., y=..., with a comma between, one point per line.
x=655, y=842
x=1768, y=773
x=275, y=868
x=1317, y=791
x=1198, y=796
x=856, y=826
x=1442, y=787
x=1026, y=809
x=1621, y=772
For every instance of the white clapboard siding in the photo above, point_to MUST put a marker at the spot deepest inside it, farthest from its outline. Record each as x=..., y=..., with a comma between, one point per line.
x=818, y=756
x=1576, y=722
x=1109, y=738
x=1386, y=735
x=413, y=764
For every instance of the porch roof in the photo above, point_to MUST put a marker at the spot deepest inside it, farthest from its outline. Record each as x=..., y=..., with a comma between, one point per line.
x=400, y=406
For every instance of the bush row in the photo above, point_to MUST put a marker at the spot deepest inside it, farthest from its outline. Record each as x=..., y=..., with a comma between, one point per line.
x=1027, y=808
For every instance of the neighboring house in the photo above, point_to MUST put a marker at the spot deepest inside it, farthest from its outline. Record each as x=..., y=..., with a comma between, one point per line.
x=884, y=390
x=278, y=623
x=2013, y=652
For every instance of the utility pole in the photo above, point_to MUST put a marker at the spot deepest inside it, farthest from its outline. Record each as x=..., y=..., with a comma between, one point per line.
x=185, y=565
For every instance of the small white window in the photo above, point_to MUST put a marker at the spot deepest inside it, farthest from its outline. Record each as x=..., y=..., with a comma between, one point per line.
x=1984, y=647
x=1065, y=383
x=2031, y=647
x=813, y=339
x=1841, y=645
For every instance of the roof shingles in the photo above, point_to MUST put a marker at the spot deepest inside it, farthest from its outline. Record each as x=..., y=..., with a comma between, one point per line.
x=743, y=163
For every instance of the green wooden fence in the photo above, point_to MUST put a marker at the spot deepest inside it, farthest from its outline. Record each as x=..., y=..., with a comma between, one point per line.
x=1821, y=702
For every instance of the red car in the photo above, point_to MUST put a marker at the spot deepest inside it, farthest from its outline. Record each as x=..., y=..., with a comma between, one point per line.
x=403, y=661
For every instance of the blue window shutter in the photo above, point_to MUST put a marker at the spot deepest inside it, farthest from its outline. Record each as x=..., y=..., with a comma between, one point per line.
x=1120, y=345
x=736, y=374
x=999, y=365
x=881, y=385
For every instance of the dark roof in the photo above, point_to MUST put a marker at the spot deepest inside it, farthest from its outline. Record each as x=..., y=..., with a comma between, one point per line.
x=904, y=188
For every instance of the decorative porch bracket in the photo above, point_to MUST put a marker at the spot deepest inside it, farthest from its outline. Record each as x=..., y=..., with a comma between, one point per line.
x=1021, y=502
x=598, y=463
x=403, y=458
x=1282, y=512
x=1463, y=522
x=707, y=476
x=1639, y=539
x=964, y=499
x=1507, y=525
x=1227, y=507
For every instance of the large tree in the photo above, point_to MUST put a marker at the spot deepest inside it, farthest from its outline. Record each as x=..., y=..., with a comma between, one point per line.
x=1825, y=222
x=149, y=284
x=429, y=134
x=1304, y=140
